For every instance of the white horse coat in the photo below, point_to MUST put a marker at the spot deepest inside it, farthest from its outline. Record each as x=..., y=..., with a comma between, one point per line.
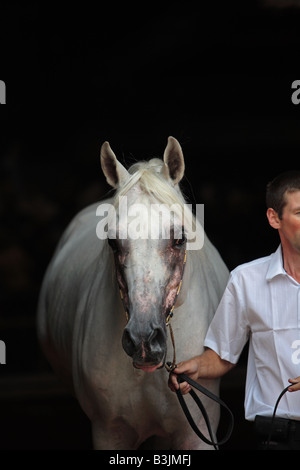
x=81, y=319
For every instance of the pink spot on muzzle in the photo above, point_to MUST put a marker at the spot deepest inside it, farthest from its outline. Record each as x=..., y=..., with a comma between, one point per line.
x=143, y=351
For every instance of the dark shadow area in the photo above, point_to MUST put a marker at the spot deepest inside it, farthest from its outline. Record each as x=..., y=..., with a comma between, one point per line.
x=216, y=78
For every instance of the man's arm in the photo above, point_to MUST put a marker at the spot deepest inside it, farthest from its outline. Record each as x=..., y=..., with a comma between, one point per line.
x=208, y=365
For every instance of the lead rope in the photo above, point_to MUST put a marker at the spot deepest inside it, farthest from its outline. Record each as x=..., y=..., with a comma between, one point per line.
x=184, y=378
x=273, y=415
x=181, y=378
x=170, y=366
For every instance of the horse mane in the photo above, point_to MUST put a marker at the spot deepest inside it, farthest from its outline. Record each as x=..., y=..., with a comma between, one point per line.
x=151, y=181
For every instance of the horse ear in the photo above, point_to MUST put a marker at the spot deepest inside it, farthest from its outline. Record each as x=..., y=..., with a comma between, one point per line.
x=113, y=170
x=174, y=161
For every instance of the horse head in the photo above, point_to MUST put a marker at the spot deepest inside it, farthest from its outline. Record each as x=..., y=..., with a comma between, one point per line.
x=149, y=246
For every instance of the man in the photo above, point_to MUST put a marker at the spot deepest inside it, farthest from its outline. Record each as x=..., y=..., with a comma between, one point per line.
x=262, y=303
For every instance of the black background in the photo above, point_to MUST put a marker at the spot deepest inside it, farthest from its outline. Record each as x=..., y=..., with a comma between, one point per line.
x=217, y=76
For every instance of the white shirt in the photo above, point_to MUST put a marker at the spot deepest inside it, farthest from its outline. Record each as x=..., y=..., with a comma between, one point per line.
x=261, y=302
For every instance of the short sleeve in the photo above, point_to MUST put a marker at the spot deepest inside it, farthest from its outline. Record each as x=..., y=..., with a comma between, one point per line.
x=229, y=329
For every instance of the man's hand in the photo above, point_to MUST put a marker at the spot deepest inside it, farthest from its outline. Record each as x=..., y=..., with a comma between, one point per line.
x=296, y=385
x=189, y=368
x=206, y=366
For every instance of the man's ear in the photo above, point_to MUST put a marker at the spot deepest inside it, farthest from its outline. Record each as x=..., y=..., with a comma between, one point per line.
x=273, y=218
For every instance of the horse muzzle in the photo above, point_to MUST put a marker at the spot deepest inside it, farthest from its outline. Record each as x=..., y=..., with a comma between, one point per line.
x=147, y=349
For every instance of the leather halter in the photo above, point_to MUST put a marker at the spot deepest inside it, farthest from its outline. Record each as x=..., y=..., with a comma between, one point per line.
x=170, y=314
x=182, y=377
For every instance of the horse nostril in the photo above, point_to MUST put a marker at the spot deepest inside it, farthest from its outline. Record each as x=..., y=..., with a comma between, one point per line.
x=156, y=338
x=127, y=343
x=144, y=344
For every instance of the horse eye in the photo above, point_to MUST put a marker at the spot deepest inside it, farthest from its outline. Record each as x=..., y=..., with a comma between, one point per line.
x=113, y=244
x=178, y=242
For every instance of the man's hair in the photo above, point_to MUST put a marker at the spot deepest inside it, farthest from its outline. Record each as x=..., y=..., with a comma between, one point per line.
x=284, y=183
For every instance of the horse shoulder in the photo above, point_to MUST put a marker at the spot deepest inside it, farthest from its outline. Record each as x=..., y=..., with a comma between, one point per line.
x=68, y=282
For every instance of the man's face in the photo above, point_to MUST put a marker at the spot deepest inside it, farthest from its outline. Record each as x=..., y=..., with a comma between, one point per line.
x=289, y=224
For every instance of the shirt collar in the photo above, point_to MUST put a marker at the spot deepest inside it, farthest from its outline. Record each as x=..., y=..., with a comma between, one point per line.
x=276, y=265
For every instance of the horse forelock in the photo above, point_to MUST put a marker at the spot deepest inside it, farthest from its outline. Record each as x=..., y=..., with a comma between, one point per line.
x=148, y=178
x=147, y=184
